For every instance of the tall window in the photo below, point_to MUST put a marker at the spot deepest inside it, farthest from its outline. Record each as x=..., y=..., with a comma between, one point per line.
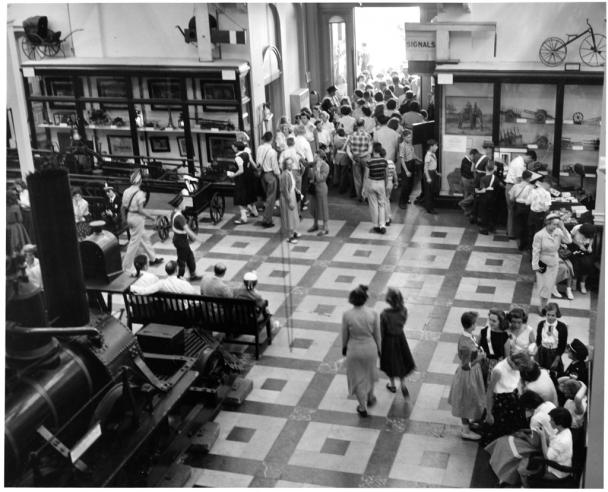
x=337, y=32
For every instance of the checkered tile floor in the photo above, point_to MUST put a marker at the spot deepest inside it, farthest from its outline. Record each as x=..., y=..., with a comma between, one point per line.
x=298, y=427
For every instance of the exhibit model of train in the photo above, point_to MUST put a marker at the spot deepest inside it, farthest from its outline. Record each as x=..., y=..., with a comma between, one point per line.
x=88, y=403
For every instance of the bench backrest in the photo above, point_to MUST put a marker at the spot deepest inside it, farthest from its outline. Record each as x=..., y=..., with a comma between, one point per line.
x=225, y=315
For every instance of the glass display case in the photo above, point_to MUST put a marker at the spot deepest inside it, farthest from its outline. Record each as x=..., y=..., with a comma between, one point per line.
x=580, y=142
x=166, y=118
x=467, y=124
x=527, y=119
x=555, y=113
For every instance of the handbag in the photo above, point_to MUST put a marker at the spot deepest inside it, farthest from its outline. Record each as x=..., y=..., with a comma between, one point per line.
x=542, y=267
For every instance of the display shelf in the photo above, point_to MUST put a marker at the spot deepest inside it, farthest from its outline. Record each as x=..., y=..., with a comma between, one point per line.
x=109, y=128
x=179, y=131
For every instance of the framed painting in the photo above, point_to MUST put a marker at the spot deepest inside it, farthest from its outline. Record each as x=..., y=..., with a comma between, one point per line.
x=468, y=115
x=222, y=93
x=164, y=89
x=160, y=144
x=62, y=87
x=116, y=88
x=181, y=145
x=220, y=147
x=120, y=145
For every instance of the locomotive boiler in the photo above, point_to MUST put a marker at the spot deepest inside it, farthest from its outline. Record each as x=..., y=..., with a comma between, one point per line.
x=85, y=397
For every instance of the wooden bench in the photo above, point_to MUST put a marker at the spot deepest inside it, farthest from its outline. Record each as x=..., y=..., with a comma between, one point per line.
x=233, y=317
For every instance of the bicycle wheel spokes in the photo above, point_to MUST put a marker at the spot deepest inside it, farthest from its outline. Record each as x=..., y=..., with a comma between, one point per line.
x=552, y=51
x=593, y=54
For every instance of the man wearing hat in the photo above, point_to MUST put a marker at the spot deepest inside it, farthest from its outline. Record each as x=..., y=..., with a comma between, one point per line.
x=111, y=212
x=181, y=233
x=250, y=280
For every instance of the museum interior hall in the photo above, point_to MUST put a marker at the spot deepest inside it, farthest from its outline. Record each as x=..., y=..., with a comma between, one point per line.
x=281, y=245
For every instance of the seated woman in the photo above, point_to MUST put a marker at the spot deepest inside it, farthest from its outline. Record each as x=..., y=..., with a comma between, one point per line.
x=506, y=452
x=558, y=448
x=537, y=379
x=144, y=277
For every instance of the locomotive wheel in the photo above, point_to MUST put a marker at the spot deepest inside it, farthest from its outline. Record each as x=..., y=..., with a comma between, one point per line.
x=193, y=223
x=217, y=205
x=28, y=49
x=552, y=51
x=578, y=118
x=161, y=226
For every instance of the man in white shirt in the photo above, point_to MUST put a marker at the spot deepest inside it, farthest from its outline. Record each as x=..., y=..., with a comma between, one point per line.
x=305, y=159
x=171, y=284
x=388, y=138
x=515, y=169
x=267, y=159
x=539, y=200
x=216, y=286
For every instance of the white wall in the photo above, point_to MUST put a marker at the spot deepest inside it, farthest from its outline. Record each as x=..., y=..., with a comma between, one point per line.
x=522, y=27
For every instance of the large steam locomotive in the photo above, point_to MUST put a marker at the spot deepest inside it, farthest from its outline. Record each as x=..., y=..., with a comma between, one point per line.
x=88, y=403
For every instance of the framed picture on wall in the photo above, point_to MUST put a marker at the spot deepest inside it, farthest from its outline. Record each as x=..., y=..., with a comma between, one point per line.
x=222, y=93
x=120, y=145
x=220, y=147
x=181, y=145
x=112, y=88
x=164, y=89
x=160, y=144
x=62, y=87
x=468, y=115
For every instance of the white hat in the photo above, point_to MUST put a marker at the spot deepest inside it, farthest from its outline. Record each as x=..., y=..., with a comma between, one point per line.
x=250, y=277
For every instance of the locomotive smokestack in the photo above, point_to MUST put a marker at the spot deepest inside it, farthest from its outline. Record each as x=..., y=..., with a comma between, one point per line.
x=58, y=251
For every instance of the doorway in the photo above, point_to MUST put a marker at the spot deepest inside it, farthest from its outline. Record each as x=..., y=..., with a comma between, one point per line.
x=385, y=53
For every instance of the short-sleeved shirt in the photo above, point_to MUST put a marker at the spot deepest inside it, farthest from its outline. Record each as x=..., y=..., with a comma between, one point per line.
x=560, y=451
x=359, y=143
x=135, y=197
x=377, y=168
x=430, y=161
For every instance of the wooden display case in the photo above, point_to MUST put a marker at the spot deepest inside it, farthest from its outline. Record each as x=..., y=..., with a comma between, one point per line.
x=135, y=110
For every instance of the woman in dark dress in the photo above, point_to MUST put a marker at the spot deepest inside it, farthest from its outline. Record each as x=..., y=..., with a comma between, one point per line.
x=492, y=340
x=396, y=360
x=244, y=182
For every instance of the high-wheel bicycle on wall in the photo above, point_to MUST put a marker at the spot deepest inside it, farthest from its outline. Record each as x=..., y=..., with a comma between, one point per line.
x=592, y=50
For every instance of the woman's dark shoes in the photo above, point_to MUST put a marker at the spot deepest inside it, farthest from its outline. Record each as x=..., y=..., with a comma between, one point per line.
x=362, y=412
x=391, y=388
x=371, y=401
x=324, y=232
x=388, y=222
x=313, y=229
x=157, y=261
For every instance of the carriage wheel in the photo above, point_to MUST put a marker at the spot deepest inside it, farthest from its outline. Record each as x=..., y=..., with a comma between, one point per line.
x=552, y=52
x=593, y=55
x=217, y=206
x=578, y=118
x=540, y=116
x=28, y=49
x=161, y=226
x=48, y=50
x=193, y=223
x=542, y=142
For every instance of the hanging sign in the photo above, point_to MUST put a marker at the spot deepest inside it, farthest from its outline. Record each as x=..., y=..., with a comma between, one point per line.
x=420, y=45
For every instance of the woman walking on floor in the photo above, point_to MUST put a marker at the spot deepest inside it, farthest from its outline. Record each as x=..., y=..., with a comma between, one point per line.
x=361, y=346
x=396, y=359
x=290, y=218
x=318, y=194
x=467, y=393
x=133, y=201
